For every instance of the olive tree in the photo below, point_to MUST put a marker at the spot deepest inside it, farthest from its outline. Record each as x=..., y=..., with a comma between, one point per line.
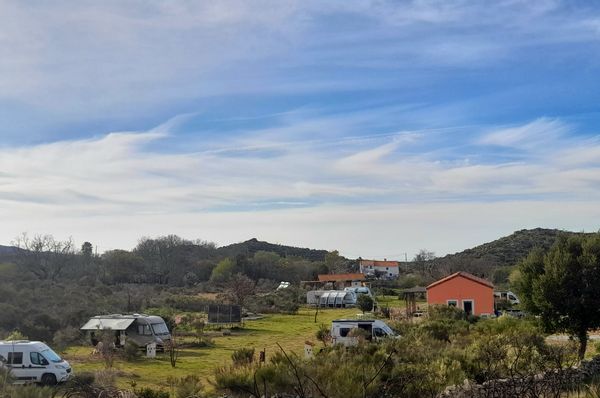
x=562, y=286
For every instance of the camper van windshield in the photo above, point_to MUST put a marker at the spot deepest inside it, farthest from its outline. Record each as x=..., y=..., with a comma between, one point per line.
x=160, y=328
x=51, y=355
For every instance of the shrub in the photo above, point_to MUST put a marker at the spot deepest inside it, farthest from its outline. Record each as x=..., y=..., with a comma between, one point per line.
x=365, y=303
x=67, y=336
x=242, y=356
x=188, y=387
x=146, y=392
x=131, y=351
x=30, y=391
x=323, y=334
x=446, y=312
x=16, y=335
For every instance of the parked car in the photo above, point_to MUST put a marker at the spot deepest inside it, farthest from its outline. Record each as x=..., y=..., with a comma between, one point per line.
x=140, y=329
x=33, y=362
x=341, y=330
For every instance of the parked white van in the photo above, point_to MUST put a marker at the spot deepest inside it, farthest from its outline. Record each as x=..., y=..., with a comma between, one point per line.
x=33, y=362
x=375, y=329
x=508, y=296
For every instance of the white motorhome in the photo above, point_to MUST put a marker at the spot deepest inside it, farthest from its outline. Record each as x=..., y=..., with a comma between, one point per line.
x=33, y=362
x=359, y=290
x=341, y=330
x=508, y=296
x=140, y=329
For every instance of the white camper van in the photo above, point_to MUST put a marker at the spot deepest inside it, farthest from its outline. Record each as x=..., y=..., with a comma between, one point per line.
x=375, y=329
x=33, y=362
x=508, y=296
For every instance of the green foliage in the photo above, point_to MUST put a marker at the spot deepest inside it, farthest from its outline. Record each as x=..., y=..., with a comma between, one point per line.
x=224, y=269
x=284, y=301
x=66, y=336
x=410, y=280
x=561, y=286
x=31, y=391
x=500, y=276
x=446, y=312
x=16, y=335
x=146, y=392
x=131, y=352
x=364, y=303
x=187, y=387
x=323, y=334
x=243, y=356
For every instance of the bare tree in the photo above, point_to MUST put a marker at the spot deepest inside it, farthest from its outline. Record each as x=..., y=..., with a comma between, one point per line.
x=239, y=287
x=44, y=256
x=424, y=263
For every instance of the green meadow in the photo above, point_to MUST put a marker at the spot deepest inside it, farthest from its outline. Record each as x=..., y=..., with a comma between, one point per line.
x=290, y=331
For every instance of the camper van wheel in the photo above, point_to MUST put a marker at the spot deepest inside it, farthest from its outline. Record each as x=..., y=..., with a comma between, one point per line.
x=48, y=379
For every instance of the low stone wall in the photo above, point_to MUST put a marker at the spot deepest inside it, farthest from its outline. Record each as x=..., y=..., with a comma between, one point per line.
x=548, y=384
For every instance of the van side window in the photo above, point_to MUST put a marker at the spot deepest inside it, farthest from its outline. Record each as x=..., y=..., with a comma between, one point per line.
x=378, y=332
x=144, y=330
x=344, y=332
x=37, y=359
x=15, y=358
x=2, y=359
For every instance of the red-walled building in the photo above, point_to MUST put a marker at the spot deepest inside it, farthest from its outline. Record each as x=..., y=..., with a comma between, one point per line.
x=465, y=291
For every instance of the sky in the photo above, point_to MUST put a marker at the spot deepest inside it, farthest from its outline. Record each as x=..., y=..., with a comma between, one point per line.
x=376, y=128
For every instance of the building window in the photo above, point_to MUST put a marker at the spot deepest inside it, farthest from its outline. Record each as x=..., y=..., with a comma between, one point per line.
x=452, y=303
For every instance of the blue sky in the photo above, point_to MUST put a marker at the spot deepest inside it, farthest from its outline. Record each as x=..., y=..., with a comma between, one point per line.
x=373, y=127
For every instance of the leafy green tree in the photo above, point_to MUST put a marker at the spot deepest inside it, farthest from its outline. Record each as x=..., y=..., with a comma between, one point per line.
x=223, y=270
x=562, y=286
x=335, y=263
x=364, y=303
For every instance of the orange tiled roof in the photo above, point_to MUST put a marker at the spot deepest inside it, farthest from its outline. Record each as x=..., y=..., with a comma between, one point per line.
x=341, y=277
x=464, y=275
x=377, y=263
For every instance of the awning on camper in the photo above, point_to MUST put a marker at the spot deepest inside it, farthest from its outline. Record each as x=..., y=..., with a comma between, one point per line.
x=107, y=324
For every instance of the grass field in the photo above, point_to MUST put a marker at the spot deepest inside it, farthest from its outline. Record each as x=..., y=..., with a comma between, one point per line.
x=291, y=331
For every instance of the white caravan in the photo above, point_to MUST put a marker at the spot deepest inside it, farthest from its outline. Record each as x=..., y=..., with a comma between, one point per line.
x=341, y=330
x=33, y=362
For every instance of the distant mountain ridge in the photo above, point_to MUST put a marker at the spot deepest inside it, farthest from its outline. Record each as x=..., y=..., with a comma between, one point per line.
x=505, y=251
x=8, y=250
x=254, y=245
x=509, y=250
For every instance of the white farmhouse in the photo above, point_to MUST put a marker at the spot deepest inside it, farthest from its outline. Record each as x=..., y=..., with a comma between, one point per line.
x=380, y=269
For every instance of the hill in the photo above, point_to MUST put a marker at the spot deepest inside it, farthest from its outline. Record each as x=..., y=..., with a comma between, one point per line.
x=254, y=245
x=8, y=253
x=508, y=250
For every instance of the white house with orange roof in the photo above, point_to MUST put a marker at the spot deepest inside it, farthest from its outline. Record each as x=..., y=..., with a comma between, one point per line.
x=380, y=269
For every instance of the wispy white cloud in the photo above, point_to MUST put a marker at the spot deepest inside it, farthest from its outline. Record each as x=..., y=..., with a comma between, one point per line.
x=534, y=134
x=124, y=60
